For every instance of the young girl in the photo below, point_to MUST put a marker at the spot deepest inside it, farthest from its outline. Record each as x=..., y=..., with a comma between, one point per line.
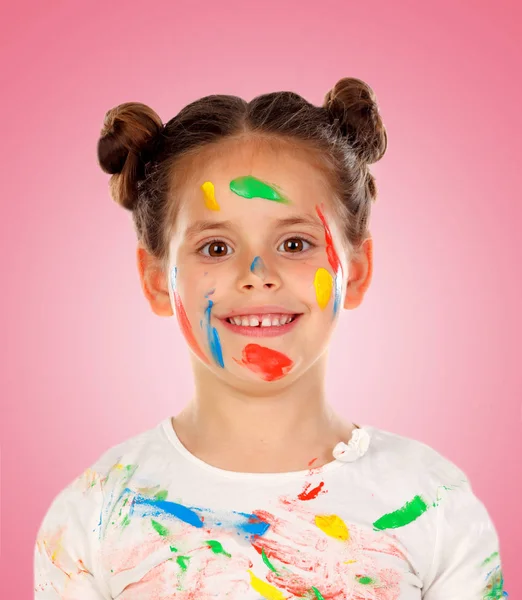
x=252, y=220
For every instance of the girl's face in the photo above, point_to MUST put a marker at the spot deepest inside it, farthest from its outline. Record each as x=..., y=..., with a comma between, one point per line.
x=256, y=264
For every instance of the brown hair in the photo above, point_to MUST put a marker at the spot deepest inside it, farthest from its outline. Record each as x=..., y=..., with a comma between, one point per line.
x=141, y=153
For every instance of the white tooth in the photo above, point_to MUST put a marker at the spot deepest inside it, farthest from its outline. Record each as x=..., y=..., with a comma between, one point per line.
x=275, y=321
x=254, y=321
x=244, y=321
x=265, y=322
x=237, y=320
x=284, y=319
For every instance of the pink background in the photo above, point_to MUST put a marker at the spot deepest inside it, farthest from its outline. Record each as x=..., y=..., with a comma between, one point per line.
x=434, y=351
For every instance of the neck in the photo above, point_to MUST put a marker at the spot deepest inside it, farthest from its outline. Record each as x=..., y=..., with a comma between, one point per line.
x=297, y=414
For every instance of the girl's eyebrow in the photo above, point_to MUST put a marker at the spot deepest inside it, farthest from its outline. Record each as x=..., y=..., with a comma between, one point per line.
x=201, y=226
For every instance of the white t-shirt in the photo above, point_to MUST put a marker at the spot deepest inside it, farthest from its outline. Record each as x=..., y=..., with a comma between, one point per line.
x=388, y=518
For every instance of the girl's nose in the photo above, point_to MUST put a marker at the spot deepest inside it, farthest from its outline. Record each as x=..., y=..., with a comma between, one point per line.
x=257, y=274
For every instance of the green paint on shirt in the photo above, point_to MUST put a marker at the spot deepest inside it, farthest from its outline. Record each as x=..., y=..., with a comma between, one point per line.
x=406, y=514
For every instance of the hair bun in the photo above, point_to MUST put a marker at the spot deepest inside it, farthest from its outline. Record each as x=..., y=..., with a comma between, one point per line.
x=352, y=106
x=127, y=134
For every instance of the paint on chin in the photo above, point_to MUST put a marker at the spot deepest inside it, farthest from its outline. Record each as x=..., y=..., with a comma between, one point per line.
x=184, y=322
x=258, y=268
x=333, y=259
x=213, y=336
x=210, y=196
x=269, y=364
x=251, y=187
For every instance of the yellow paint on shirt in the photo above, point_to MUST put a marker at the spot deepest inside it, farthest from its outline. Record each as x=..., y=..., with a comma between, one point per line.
x=210, y=198
x=323, y=283
x=333, y=526
x=266, y=590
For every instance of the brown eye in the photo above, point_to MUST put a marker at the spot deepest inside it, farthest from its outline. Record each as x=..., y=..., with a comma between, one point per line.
x=215, y=249
x=294, y=245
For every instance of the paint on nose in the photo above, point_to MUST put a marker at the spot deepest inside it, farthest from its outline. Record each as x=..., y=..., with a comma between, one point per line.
x=251, y=187
x=213, y=338
x=183, y=321
x=258, y=267
x=269, y=364
x=210, y=196
x=323, y=283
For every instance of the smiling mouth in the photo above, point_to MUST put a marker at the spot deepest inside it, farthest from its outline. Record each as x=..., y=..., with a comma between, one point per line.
x=262, y=325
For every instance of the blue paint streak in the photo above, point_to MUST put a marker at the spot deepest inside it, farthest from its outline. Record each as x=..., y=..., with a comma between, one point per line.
x=254, y=526
x=157, y=508
x=245, y=523
x=173, y=276
x=338, y=284
x=213, y=338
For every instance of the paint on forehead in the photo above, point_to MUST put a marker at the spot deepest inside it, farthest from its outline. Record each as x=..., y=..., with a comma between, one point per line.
x=213, y=337
x=258, y=267
x=323, y=283
x=183, y=321
x=333, y=259
x=251, y=187
x=209, y=195
x=267, y=363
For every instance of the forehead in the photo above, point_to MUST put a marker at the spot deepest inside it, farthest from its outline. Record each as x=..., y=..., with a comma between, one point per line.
x=294, y=170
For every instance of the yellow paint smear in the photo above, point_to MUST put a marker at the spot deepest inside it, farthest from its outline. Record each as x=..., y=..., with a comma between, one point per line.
x=333, y=526
x=323, y=283
x=266, y=590
x=210, y=198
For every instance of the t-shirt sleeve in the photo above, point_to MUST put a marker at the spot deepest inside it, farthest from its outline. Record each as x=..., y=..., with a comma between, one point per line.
x=466, y=557
x=67, y=543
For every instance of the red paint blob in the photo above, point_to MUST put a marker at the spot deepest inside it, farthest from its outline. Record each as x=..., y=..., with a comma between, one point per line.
x=269, y=364
x=186, y=328
x=310, y=494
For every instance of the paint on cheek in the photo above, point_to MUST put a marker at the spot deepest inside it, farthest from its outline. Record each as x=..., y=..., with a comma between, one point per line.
x=267, y=363
x=209, y=194
x=258, y=267
x=333, y=259
x=183, y=321
x=323, y=283
x=213, y=337
x=250, y=187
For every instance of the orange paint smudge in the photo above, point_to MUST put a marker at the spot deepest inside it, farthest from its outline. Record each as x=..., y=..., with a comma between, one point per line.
x=267, y=363
x=186, y=328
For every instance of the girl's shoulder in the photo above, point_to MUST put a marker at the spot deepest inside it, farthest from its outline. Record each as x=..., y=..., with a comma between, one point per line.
x=409, y=457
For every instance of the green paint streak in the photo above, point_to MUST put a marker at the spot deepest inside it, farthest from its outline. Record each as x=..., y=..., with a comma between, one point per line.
x=124, y=503
x=182, y=562
x=317, y=593
x=159, y=528
x=494, y=589
x=250, y=187
x=490, y=558
x=365, y=580
x=173, y=549
x=267, y=562
x=406, y=514
x=217, y=548
x=125, y=521
x=161, y=495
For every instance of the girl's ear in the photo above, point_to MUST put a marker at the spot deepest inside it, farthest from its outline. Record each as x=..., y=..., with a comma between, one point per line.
x=360, y=275
x=154, y=282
